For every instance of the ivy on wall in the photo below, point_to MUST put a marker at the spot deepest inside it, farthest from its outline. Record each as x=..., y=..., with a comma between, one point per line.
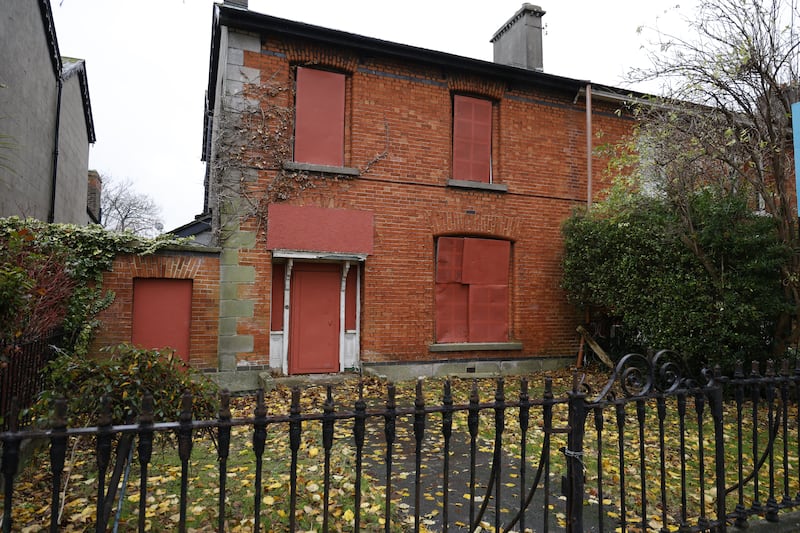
x=51, y=274
x=253, y=139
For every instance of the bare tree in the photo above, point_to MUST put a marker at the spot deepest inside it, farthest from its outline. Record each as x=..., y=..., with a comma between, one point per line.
x=125, y=209
x=725, y=120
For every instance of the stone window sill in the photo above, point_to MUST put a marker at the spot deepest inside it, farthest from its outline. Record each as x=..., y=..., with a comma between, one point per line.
x=474, y=346
x=323, y=169
x=477, y=185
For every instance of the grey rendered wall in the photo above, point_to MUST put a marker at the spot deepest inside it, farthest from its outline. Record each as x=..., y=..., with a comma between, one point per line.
x=73, y=160
x=27, y=110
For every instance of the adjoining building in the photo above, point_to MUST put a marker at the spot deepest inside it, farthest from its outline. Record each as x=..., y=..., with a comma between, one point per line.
x=46, y=123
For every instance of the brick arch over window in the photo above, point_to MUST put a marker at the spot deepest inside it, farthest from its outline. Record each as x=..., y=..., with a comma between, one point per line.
x=472, y=289
x=460, y=83
x=495, y=227
x=307, y=54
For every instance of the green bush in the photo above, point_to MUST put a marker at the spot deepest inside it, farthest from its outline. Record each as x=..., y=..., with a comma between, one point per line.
x=124, y=377
x=51, y=274
x=710, y=290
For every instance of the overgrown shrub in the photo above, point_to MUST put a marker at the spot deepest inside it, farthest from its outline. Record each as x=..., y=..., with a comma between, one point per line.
x=712, y=294
x=124, y=376
x=50, y=276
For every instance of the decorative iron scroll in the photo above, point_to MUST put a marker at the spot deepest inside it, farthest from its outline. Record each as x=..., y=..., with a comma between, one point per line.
x=639, y=375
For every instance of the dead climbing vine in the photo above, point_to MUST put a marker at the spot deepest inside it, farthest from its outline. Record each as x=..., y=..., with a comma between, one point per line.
x=254, y=139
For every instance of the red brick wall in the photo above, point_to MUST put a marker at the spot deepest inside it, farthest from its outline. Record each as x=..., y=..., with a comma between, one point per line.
x=539, y=153
x=201, y=268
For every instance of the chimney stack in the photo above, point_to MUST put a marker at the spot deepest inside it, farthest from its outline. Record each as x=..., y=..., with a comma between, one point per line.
x=93, y=200
x=518, y=43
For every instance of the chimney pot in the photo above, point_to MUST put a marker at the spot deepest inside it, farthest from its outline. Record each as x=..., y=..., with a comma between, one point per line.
x=518, y=43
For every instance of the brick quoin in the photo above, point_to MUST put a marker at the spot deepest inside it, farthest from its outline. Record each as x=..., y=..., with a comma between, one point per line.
x=539, y=154
x=116, y=321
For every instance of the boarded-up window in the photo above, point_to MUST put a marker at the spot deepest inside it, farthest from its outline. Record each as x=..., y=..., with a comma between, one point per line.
x=472, y=289
x=472, y=139
x=319, y=117
x=162, y=314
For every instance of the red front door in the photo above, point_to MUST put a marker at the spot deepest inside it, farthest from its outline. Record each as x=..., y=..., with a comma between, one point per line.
x=314, y=318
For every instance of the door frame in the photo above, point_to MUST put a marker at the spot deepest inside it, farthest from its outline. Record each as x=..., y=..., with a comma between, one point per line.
x=347, y=261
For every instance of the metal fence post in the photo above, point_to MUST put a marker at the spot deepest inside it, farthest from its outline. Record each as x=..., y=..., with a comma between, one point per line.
x=58, y=452
x=574, y=454
x=715, y=396
x=10, y=463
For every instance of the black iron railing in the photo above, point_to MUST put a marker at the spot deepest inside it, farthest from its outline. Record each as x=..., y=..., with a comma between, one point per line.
x=661, y=451
x=22, y=371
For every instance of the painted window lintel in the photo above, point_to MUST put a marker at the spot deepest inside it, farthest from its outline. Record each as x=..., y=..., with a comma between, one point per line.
x=464, y=184
x=322, y=169
x=474, y=346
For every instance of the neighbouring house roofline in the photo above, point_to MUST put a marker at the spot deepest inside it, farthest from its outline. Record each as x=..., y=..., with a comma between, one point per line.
x=77, y=67
x=200, y=224
x=50, y=36
x=66, y=67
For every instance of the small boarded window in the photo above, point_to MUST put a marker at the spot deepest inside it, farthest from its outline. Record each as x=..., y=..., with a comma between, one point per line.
x=351, y=299
x=472, y=139
x=319, y=117
x=472, y=290
x=162, y=314
x=276, y=310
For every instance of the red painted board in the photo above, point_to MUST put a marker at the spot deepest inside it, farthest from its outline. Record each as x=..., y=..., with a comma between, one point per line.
x=318, y=229
x=162, y=313
x=314, y=318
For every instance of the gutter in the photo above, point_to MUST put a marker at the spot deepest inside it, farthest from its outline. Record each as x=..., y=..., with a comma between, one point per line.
x=51, y=215
x=588, y=145
x=260, y=24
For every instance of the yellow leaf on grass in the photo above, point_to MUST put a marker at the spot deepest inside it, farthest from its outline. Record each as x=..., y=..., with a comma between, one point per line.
x=348, y=515
x=268, y=500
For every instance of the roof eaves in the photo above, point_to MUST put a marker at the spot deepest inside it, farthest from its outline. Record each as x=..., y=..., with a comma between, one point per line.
x=50, y=36
x=77, y=67
x=213, y=65
x=260, y=23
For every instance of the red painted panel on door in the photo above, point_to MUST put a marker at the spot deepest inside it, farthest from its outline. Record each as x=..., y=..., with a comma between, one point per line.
x=318, y=229
x=314, y=318
x=162, y=311
x=276, y=311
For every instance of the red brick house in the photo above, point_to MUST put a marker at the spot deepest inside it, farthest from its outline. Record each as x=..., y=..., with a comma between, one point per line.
x=378, y=204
